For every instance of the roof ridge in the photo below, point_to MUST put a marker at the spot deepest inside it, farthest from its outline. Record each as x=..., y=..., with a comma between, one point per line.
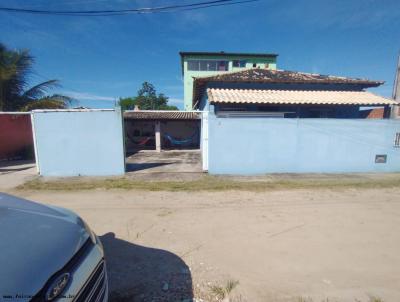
x=295, y=90
x=263, y=70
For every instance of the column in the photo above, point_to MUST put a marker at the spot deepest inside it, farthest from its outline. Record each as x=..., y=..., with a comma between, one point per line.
x=158, y=136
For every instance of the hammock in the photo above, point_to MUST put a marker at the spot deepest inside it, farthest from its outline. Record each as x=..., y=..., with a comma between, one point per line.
x=140, y=142
x=185, y=141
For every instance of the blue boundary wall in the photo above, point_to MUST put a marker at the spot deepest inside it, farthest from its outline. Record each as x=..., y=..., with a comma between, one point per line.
x=282, y=145
x=79, y=142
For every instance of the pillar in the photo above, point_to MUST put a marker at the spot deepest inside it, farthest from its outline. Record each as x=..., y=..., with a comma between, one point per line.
x=158, y=136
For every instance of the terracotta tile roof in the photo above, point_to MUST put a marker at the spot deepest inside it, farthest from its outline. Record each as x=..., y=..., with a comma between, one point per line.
x=246, y=96
x=258, y=75
x=285, y=76
x=161, y=115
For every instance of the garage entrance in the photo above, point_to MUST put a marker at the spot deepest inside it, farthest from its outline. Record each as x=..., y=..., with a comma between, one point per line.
x=162, y=141
x=161, y=130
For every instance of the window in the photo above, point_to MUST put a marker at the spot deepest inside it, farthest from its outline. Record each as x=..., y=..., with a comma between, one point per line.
x=193, y=65
x=380, y=158
x=210, y=66
x=397, y=140
x=204, y=65
x=207, y=65
x=223, y=65
x=239, y=63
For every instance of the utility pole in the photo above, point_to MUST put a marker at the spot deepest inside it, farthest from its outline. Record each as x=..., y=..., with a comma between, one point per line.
x=396, y=91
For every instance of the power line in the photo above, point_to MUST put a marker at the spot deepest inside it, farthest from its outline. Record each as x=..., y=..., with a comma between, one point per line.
x=145, y=10
x=214, y=5
x=135, y=10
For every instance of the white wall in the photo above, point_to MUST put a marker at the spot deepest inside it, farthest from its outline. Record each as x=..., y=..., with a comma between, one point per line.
x=284, y=145
x=79, y=142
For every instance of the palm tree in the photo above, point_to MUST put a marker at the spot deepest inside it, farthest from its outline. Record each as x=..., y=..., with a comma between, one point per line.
x=15, y=95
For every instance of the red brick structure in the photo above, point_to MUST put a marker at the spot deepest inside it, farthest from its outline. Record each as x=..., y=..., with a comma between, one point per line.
x=377, y=113
x=16, y=137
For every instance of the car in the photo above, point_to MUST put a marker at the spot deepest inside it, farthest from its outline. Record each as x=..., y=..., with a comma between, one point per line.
x=48, y=254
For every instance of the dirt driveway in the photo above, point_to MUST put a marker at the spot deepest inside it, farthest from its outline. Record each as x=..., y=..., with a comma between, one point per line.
x=280, y=245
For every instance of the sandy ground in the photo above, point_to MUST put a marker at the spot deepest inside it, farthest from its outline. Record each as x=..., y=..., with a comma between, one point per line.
x=281, y=245
x=15, y=173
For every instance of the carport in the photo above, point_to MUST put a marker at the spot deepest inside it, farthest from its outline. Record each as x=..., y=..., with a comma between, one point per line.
x=163, y=141
x=161, y=130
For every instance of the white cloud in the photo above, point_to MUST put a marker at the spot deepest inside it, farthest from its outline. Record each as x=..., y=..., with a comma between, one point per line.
x=88, y=96
x=175, y=101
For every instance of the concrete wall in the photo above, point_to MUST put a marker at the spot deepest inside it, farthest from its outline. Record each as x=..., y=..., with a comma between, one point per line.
x=275, y=145
x=16, y=140
x=79, y=142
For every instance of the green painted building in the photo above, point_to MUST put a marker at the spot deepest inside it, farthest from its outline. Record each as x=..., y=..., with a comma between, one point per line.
x=202, y=64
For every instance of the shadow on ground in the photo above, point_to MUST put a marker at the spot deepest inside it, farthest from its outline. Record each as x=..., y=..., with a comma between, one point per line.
x=143, y=166
x=4, y=170
x=138, y=273
x=12, y=163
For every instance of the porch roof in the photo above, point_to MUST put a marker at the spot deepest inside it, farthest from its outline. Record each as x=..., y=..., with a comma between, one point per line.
x=161, y=115
x=267, y=76
x=291, y=97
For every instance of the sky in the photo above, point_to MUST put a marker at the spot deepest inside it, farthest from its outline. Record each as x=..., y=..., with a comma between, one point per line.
x=100, y=59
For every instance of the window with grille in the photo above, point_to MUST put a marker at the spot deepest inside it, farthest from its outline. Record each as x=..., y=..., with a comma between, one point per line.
x=239, y=63
x=397, y=140
x=207, y=65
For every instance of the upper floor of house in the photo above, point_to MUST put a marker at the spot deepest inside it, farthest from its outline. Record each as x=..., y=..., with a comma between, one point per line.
x=203, y=64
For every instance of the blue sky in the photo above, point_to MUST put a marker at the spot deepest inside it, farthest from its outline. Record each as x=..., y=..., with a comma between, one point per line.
x=99, y=59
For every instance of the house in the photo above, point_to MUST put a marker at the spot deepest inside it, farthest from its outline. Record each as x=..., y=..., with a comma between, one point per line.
x=262, y=120
x=200, y=64
x=288, y=94
x=248, y=120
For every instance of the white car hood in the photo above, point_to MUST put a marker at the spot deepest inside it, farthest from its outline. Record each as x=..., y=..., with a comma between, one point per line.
x=36, y=241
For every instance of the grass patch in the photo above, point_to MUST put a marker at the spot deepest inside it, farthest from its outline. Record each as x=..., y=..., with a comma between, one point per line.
x=224, y=292
x=216, y=183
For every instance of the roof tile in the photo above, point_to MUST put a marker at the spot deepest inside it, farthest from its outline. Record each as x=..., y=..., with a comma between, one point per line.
x=161, y=115
x=249, y=96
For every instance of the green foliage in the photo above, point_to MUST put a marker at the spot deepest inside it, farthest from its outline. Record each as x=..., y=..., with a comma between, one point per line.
x=127, y=103
x=54, y=101
x=15, y=95
x=147, y=99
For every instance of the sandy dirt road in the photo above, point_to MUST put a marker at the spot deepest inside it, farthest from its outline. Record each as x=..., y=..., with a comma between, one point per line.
x=337, y=244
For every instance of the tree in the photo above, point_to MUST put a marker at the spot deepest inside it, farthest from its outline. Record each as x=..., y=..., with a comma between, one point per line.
x=127, y=103
x=147, y=99
x=15, y=94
